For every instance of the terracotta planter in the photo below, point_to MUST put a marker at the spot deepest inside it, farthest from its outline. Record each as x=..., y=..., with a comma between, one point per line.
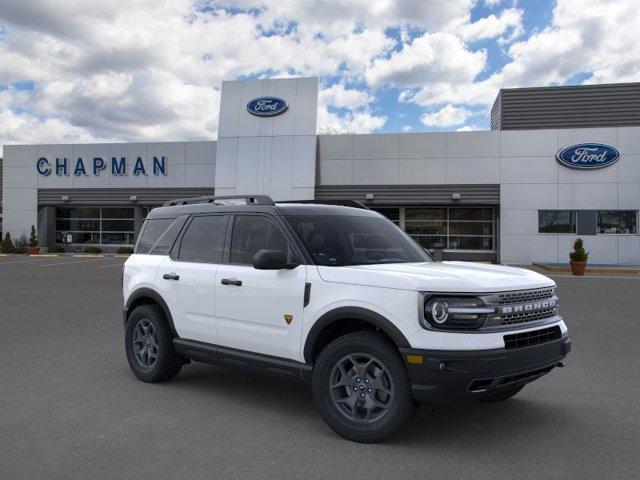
x=33, y=250
x=578, y=268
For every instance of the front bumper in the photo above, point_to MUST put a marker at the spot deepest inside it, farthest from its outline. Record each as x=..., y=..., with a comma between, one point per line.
x=448, y=376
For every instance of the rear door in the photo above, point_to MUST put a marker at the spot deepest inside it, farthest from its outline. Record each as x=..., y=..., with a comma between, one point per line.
x=187, y=277
x=259, y=310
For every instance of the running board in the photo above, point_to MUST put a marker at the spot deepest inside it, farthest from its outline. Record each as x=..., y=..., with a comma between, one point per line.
x=239, y=359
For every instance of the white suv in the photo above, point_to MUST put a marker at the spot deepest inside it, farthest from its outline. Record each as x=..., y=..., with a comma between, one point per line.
x=337, y=296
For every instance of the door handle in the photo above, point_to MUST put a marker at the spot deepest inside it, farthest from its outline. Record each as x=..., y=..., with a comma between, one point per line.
x=171, y=276
x=231, y=281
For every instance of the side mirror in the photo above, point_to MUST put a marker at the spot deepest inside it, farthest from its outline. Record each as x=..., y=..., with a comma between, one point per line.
x=271, y=260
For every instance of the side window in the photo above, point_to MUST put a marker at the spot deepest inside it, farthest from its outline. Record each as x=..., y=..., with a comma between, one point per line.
x=168, y=238
x=151, y=232
x=252, y=233
x=204, y=240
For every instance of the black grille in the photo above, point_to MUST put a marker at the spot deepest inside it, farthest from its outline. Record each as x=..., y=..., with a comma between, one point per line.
x=534, y=337
x=525, y=295
x=524, y=317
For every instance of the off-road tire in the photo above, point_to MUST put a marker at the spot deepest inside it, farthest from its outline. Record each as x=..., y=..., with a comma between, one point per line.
x=400, y=404
x=166, y=364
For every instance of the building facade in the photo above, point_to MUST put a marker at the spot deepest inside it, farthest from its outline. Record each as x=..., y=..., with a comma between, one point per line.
x=500, y=195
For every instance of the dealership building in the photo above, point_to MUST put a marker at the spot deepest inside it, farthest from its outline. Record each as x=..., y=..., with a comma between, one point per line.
x=559, y=162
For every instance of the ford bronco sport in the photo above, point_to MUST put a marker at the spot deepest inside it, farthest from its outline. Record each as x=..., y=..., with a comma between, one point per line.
x=337, y=296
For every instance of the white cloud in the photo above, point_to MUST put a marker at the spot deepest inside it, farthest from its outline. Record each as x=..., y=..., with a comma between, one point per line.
x=432, y=57
x=351, y=122
x=340, y=97
x=151, y=69
x=469, y=128
x=447, y=116
x=597, y=38
x=407, y=128
x=508, y=22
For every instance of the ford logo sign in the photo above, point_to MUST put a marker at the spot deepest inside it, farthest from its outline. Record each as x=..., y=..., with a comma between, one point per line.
x=588, y=156
x=267, y=106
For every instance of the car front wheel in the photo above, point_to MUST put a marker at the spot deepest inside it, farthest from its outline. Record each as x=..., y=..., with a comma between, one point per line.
x=361, y=387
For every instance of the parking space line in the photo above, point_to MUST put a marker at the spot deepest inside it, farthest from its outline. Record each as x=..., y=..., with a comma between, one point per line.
x=619, y=277
x=72, y=262
x=112, y=265
x=30, y=260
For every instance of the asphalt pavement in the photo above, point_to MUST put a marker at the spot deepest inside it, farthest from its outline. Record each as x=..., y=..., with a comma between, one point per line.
x=70, y=407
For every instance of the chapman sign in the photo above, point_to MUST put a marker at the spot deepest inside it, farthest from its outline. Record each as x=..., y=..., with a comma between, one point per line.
x=118, y=166
x=588, y=156
x=267, y=106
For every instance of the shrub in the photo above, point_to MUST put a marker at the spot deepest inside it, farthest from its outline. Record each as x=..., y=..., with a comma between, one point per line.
x=91, y=249
x=20, y=245
x=125, y=250
x=33, y=238
x=57, y=248
x=7, y=245
x=579, y=254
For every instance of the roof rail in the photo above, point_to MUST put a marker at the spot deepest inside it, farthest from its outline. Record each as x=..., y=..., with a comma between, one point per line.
x=343, y=203
x=219, y=200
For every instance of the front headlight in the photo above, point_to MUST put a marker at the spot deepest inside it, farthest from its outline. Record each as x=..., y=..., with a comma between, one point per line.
x=455, y=313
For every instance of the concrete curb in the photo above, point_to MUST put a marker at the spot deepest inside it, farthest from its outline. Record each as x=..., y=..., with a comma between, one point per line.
x=597, y=270
x=88, y=255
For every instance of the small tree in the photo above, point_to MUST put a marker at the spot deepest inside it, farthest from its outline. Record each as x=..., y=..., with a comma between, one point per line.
x=579, y=254
x=20, y=245
x=33, y=237
x=7, y=244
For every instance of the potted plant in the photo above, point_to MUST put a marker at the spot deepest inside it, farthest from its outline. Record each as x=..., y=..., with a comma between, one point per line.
x=578, y=257
x=7, y=244
x=33, y=249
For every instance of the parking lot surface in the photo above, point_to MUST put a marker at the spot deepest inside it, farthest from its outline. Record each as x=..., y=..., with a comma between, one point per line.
x=70, y=408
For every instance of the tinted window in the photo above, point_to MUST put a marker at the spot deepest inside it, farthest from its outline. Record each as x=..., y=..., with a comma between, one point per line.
x=617, y=221
x=151, y=233
x=345, y=240
x=253, y=233
x=556, y=221
x=204, y=240
x=168, y=238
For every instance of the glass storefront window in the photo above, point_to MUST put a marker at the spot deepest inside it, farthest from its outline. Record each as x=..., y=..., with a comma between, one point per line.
x=95, y=225
x=618, y=221
x=556, y=221
x=484, y=214
x=451, y=228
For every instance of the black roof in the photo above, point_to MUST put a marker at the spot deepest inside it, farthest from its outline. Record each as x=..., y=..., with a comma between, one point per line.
x=260, y=204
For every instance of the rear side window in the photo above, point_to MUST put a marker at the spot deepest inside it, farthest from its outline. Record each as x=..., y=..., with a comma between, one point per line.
x=203, y=241
x=159, y=235
x=151, y=233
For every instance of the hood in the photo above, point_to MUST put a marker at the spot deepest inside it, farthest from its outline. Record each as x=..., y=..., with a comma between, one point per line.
x=467, y=277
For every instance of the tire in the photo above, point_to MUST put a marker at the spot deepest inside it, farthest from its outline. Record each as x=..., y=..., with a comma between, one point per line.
x=367, y=409
x=502, y=394
x=160, y=363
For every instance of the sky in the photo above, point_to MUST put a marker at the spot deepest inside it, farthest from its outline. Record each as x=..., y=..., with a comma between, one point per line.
x=74, y=71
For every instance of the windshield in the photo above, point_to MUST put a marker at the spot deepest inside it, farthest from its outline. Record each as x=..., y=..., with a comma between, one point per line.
x=340, y=240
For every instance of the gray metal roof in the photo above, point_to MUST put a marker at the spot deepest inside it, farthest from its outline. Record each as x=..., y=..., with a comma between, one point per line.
x=577, y=106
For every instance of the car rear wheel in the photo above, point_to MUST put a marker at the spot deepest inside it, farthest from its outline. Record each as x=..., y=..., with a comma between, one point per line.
x=149, y=345
x=361, y=387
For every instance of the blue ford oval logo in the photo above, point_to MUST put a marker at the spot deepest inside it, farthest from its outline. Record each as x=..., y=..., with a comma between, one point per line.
x=588, y=156
x=267, y=106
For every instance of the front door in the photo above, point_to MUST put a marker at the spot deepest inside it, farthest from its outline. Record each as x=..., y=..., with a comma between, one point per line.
x=187, y=279
x=259, y=310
